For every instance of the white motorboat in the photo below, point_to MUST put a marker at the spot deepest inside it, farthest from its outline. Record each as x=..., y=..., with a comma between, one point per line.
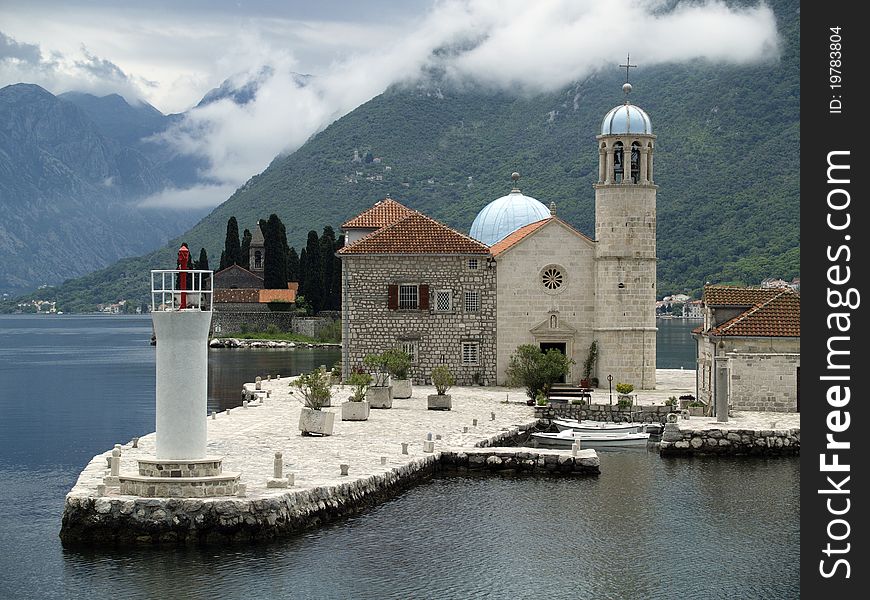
x=596, y=426
x=589, y=439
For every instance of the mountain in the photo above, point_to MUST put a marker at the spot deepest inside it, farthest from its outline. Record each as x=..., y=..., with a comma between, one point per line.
x=67, y=193
x=727, y=163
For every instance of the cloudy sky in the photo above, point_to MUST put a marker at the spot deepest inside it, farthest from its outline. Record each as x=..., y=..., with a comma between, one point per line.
x=171, y=52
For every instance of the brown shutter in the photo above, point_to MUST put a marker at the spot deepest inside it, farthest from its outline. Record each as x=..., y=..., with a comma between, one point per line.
x=392, y=297
x=424, y=296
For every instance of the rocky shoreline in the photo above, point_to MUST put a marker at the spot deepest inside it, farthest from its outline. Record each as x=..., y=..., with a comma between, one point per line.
x=243, y=343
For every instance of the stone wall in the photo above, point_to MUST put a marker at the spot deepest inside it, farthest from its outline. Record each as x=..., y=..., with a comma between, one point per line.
x=311, y=326
x=236, y=277
x=524, y=304
x=604, y=412
x=228, y=323
x=684, y=442
x=371, y=327
x=521, y=459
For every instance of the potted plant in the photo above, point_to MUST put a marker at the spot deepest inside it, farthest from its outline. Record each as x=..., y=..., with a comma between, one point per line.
x=398, y=363
x=357, y=408
x=685, y=400
x=442, y=379
x=380, y=392
x=672, y=401
x=316, y=394
x=696, y=408
x=624, y=398
x=589, y=364
x=541, y=399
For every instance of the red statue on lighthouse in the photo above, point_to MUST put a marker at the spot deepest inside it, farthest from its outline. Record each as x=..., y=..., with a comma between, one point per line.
x=183, y=258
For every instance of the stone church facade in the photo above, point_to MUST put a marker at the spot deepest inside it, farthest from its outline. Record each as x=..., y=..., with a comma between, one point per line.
x=521, y=276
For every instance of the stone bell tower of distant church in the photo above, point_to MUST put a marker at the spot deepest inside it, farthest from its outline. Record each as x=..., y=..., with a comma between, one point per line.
x=625, y=231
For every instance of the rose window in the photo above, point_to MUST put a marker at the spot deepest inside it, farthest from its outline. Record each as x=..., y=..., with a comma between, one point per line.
x=552, y=278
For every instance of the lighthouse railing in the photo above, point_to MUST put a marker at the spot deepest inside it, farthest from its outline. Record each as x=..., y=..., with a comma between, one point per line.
x=167, y=293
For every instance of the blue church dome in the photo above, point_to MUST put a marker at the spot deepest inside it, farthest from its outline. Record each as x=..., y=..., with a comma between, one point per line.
x=503, y=216
x=626, y=118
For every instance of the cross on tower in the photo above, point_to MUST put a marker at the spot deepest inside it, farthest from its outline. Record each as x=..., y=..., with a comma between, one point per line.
x=627, y=66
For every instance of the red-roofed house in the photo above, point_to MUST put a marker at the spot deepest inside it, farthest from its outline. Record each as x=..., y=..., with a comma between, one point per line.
x=749, y=348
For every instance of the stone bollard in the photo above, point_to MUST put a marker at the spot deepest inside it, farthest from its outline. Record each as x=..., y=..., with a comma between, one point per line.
x=277, y=377
x=291, y=479
x=268, y=394
x=344, y=469
x=213, y=415
x=492, y=416
x=135, y=442
x=278, y=466
x=108, y=462
x=116, y=462
x=244, y=404
x=773, y=424
x=258, y=383
x=269, y=377
x=474, y=422
x=404, y=447
x=437, y=436
x=465, y=430
x=575, y=447
x=118, y=448
x=429, y=437
x=429, y=446
x=101, y=489
x=277, y=481
x=228, y=411
x=383, y=460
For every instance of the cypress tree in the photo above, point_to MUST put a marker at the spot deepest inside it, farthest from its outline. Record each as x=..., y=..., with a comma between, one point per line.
x=303, y=267
x=275, y=259
x=312, y=274
x=202, y=263
x=292, y=265
x=327, y=269
x=232, y=250
x=336, y=275
x=223, y=264
x=245, y=250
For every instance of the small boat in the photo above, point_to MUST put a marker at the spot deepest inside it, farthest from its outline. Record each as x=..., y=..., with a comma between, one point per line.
x=592, y=439
x=596, y=426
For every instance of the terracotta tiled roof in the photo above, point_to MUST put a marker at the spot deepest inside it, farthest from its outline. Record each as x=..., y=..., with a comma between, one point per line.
x=726, y=295
x=524, y=232
x=415, y=233
x=778, y=316
x=277, y=295
x=383, y=213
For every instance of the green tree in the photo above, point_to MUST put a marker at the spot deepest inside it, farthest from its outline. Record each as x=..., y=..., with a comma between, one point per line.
x=292, y=265
x=303, y=266
x=202, y=263
x=232, y=250
x=275, y=259
x=311, y=276
x=536, y=371
x=330, y=295
x=245, y=250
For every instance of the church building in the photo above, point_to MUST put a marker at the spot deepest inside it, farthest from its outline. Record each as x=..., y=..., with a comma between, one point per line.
x=521, y=276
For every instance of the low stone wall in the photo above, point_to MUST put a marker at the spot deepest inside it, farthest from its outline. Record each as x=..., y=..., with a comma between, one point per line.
x=604, y=412
x=227, y=323
x=733, y=442
x=310, y=326
x=521, y=459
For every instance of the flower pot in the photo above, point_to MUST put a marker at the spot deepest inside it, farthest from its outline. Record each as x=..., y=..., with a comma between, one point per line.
x=401, y=388
x=696, y=411
x=316, y=421
x=354, y=411
x=439, y=402
x=380, y=396
x=584, y=383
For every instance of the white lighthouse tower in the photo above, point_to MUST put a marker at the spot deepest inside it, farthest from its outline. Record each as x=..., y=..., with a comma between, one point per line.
x=181, y=307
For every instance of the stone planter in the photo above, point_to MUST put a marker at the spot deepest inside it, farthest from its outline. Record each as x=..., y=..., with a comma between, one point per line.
x=696, y=411
x=439, y=402
x=316, y=421
x=354, y=411
x=380, y=396
x=402, y=388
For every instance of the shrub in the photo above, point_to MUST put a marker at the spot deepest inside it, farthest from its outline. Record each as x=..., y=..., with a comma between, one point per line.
x=314, y=387
x=591, y=359
x=442, y=379
x=541, y=399
x=625, y=402
x=331, y=332
x=535, y=371
x=624, y=388
x=272, y=329
x=397, y=362
x=579, y=401
x=360, y=383
x=672, y=401
x=336, y=369
x=377, y=365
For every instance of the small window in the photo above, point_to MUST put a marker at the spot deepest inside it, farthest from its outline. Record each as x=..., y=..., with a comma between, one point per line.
x=443, y=301
x=410, y=348
x=408, y=296
x=470, y=353
x=472, y=301
x=472, y=264
x=258, y=260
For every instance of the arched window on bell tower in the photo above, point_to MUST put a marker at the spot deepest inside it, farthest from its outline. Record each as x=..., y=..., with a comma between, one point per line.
x=618, y=163
x=635, y=162
x=258, y=260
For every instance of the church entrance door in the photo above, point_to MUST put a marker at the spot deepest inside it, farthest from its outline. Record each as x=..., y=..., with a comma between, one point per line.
x=560, y=346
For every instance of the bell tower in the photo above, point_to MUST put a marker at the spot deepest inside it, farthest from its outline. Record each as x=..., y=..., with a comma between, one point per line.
x=625, y=231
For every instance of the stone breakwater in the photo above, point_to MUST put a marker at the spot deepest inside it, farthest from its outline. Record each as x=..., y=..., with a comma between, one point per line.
x=731, y=442
x=472, y=436
x=605, y=412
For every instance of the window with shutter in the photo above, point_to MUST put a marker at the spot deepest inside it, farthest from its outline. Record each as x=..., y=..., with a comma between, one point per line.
x=424, y=296
x=392, y=297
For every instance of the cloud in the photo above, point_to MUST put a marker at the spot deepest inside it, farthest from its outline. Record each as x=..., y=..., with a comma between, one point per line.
x=527, y=47
x=193, y=198
x=12, y=49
